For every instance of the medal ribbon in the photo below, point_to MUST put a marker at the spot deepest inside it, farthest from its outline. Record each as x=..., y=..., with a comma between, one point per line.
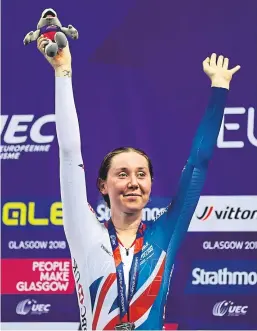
x=134, y=270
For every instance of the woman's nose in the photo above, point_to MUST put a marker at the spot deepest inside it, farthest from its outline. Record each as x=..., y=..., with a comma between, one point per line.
x=133, y=182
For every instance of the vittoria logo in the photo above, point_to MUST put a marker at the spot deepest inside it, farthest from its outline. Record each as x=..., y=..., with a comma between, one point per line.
x=227, y=213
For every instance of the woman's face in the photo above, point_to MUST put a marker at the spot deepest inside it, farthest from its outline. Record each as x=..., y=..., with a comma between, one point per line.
x=128, y=182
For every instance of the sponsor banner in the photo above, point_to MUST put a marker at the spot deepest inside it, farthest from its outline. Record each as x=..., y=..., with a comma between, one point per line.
x=37, y=276
x=225, y=213
x=221, y=276
x=230, y=245
x=48, y=212
x=33, y=228
x=219, y=246
x=227, y=312
x=30, y=212
x=26, y=134
x=213, y=213
x=153, y=209
x=40, y=308
x=49, y=245
x=226, y=139
x=199, y=246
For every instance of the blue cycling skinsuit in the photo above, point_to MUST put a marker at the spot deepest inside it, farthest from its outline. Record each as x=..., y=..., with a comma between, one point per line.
x=89, y=241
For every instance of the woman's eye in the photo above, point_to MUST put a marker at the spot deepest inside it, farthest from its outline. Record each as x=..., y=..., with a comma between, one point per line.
x=141, y=174
x=122, y=174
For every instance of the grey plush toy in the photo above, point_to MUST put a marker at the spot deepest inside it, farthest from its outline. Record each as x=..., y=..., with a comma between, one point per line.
x=50, y=27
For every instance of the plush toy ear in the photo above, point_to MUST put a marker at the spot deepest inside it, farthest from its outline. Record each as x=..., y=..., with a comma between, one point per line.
x=43, y=13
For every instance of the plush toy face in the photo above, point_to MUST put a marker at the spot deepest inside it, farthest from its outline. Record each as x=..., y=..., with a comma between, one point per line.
x=48, y=17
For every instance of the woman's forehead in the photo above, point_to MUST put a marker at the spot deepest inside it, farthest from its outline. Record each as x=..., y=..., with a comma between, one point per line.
x=129, y=160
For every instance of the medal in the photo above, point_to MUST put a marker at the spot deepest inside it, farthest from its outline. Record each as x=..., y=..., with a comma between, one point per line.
x=125, y=326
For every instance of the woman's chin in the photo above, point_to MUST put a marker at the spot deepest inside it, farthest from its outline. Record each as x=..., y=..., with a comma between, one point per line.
x=133, y=207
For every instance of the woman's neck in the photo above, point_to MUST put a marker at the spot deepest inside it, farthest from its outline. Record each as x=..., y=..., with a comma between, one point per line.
x=126, y=225
x=126, y=222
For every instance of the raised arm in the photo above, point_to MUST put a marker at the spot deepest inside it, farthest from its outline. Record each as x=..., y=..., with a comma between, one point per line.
x=177, y=219
x=80, y=223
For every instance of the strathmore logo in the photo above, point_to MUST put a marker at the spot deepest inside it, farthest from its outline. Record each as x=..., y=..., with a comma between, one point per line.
x=228, y=308
x=223, y=276
x=229, y=212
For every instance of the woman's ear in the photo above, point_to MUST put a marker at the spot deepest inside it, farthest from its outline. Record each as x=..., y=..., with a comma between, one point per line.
x=102, y=186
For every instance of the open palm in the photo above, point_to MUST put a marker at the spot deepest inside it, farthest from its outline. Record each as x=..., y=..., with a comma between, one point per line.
x=217, y=69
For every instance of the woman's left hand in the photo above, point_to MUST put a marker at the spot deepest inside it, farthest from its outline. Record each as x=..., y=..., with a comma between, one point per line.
x=218, y=72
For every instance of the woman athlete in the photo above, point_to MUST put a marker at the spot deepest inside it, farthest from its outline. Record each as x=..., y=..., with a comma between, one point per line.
x=122, y=268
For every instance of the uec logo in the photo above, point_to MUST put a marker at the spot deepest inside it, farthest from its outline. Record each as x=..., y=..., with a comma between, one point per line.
x=31, y=306
x=228, y=308
x=28, y=128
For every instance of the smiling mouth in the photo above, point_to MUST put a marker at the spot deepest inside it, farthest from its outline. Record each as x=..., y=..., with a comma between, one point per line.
x=132, y=195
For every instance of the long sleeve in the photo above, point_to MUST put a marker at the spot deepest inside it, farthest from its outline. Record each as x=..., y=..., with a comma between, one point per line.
x=180, y=212
x=206, y=136
x=173, y=226
x=80, y=223
x=67, y=125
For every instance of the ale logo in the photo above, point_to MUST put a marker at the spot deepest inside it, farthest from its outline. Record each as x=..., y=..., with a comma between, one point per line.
x=231, y=213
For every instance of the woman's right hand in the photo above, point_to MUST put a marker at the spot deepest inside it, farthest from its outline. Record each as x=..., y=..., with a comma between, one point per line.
x=61, y=62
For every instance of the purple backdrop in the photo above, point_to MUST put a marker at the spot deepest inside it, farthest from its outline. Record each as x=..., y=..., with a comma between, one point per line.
x=138, y=81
